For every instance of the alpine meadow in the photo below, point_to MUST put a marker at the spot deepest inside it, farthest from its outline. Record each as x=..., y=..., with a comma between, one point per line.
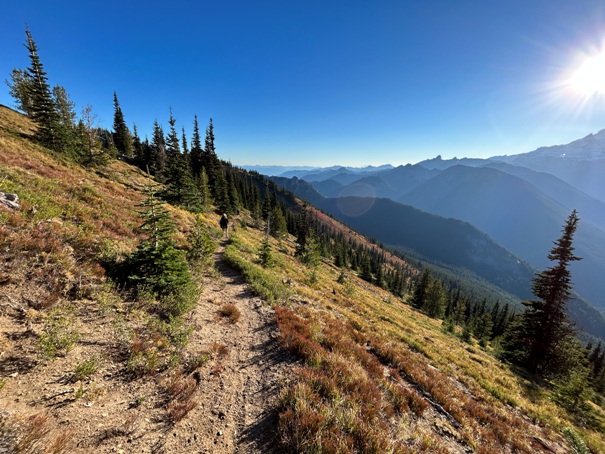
x=156, y=298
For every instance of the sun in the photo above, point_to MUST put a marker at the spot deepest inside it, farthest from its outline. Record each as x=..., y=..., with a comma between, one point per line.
x=589, y=78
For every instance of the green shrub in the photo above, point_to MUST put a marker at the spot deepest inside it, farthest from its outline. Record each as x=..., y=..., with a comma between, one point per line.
x=200, y=242
x=265, y=255
x=84, y=369
x=263, y=283
x=575, y=441
x=58, y=334
x=157, y=265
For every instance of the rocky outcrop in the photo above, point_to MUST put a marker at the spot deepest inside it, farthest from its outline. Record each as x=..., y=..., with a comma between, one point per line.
x=10, y=201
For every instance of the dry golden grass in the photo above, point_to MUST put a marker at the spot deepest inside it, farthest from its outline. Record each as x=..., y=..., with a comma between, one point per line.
x=371, y=361
x=230, y=312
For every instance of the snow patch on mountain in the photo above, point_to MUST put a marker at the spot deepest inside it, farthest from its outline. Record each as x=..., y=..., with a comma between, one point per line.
x=589, y=148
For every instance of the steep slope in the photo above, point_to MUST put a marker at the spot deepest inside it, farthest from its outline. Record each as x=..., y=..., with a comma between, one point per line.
x=516, y=214
x=593, y=210
x=372, y=367
x=443, y=240
x=364, y=372
x=580, y=163
x=84, y=368
x=502, y=205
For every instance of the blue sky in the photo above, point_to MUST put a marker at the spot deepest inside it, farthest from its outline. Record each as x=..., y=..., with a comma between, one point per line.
x=322, y=83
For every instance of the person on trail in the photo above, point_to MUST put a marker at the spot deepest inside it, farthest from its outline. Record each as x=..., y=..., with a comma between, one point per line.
x=224, y=223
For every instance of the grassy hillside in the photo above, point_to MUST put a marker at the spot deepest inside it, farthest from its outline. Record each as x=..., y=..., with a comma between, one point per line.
x=86, y=367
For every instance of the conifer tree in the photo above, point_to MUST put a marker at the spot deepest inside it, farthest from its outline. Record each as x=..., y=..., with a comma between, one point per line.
x=157, y=265
x=196, y=150
x=365, y=268
x=232, y=191
x=265, y=254
x=20, y=88
x=214, y=169
x=544, y=330
x=175, y=172
x=203, y=190
x=434, y=299
x=421, y=289
x=140, y=158
x=184, y=144
x=122, y=138
x=266, y=207
x=43, y=109
x=596, y=359
x=157, y=162
x=278, y=222
x=201, y=245
x=221, y=191
x=66, y=135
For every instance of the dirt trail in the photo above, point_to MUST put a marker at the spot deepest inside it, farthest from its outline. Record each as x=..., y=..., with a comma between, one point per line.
x=237, y=391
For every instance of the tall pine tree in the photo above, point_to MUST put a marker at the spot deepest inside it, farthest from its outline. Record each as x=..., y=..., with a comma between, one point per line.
x=42, y=108
x=122, y=138
x=544, y=331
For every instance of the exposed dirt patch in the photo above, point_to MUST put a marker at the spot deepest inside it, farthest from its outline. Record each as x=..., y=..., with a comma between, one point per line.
x=234, y=385
x=235, y=411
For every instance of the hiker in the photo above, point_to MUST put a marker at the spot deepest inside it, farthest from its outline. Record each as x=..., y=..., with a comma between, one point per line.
x=224, y=223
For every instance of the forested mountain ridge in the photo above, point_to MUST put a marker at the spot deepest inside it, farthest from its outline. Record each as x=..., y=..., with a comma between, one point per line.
x=518, y=207
x=444, y=241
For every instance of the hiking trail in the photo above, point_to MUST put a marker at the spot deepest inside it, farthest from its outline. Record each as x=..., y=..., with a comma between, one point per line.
x=235, y=411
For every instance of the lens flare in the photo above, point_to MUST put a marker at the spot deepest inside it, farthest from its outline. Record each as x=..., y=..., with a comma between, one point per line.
x=589, y=78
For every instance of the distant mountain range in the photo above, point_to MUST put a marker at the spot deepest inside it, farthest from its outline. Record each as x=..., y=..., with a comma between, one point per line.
x=299, y=171
x=519, y=202
x=580, y=163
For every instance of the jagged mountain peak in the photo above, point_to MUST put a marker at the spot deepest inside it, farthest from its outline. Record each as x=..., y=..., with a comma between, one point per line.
x=590, y=147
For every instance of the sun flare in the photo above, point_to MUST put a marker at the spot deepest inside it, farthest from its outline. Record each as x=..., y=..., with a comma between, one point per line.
x=589, y=79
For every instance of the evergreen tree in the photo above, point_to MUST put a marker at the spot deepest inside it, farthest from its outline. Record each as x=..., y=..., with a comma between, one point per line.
x=196, y=150
x=209, y=159
x=175, y=171
x=265, y=254
x=596, y=359
x=573, y=388
x=310, y=255
x=483, y=326
x=66, y=134
x=221, y=191
x=122, y=138
x=201, y=245
x=366, y=268
x=140, y=156
x=184, y=142
x=278, y=222
x=266, y=207
x=65, y=107
x=501, y=322
x=544, y=329
x=21, y=88
x=434, y=299
x=203, y=190
x=157, y=160
x=157, y=265
x=43, y=110
x=421, y=288
x=232, y=191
